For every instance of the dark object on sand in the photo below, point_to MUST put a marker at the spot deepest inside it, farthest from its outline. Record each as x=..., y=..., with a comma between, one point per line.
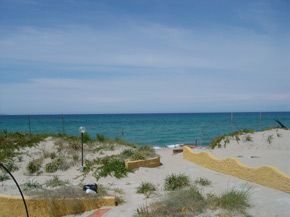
x=90, y=187
x=180, y=148
x=281, y=125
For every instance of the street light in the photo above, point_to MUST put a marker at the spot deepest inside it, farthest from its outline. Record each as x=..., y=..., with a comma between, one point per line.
x=82, y=131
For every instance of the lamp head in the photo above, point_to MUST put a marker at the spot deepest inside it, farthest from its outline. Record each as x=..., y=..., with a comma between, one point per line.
x=82, y=129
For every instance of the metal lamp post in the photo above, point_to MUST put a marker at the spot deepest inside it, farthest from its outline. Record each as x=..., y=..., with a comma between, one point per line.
x=82, y=131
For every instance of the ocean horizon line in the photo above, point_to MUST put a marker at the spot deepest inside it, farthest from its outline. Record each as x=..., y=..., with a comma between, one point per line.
x=143, y=113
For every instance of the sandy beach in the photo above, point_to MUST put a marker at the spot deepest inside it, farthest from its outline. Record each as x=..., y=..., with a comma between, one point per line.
x=264, y=201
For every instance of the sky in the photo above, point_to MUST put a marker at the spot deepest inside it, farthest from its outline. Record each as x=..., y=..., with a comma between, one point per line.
x=144, y=56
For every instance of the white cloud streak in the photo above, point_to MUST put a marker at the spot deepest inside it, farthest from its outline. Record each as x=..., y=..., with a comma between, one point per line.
x=190, y=70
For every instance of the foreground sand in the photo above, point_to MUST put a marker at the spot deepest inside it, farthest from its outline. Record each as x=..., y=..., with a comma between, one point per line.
x=265, y=202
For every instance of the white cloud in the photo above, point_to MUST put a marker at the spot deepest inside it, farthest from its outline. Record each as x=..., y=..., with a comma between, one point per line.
x=182, y=70
x=144, y=46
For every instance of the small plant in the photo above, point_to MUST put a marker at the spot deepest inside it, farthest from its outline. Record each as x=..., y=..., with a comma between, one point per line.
x=113, y=167
x=202, y=181
x=174, y=182
x=146, y=188
x=58, y=163
x=75, y=158
x=4, y=177
x=249, y=138
x=52, y=155
x=234, y=200
x=127, y=153
x=34, y=166
x=270, y=139
x=86, y=137
x=10, y=165
x=31, y=186
x=51, y=167
x=56, y=182
x=101, y=138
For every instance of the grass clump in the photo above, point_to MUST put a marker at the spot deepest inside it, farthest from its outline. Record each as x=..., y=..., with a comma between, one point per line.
x=146, y=188
x=11, y=142
x=58, y=163
x=181, y=203
x=270, y=139
x=202, y=181
x=113, y=167
x=34, y=166
x=10, y=165
x=101, y=138
x=216, y=142
x=4, y=177
x=32, y=186
x=56, y=182
x=249, y=138
x=234, y=200
x=174, y=182
x=188, y=202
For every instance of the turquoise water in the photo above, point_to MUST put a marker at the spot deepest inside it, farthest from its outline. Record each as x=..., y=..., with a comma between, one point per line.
x=151, y=129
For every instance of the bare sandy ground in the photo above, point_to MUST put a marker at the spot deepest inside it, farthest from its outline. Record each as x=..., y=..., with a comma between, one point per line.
x=265, y=201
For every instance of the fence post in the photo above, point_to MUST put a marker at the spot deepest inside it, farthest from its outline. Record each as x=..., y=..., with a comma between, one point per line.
x=29, y=125
x=62, y=124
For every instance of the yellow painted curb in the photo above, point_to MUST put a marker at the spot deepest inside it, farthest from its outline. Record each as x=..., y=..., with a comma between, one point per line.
x=50, y=207
x=152, y=162
x=266, y=175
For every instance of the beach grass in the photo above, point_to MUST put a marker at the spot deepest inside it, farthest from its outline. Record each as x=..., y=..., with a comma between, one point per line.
x=146, y=188
x=176, y=181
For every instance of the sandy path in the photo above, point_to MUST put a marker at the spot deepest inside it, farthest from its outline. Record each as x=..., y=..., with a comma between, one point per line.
x=266, y=201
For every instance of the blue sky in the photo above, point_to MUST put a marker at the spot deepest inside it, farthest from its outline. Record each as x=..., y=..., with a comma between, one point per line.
x=144, y=56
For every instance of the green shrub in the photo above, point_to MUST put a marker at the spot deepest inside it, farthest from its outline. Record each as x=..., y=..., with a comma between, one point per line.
x=113, y=167
x=56, y=182
x=86, y=137
x=4, y=177
x=52, y=155
x=137, y=155
x=58, y=163
x=270, y=139
x=127, y=153
x=173, y=182
x=249, y=138
x=234, y=200
x=51, y=167
x=202, y=181
x=101, y=138
x=180, y=203
x=10, y=165
x=31, y=186
x=34, y=166
x=146, y=188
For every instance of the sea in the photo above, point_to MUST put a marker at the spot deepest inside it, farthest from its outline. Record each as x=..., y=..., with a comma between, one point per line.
x=158, y=130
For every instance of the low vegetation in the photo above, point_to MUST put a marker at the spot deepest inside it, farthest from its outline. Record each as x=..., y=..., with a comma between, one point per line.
x=34, y=166
x=3, y=177
x=111, y=166
x=270, y=139
x=31, y=186
x=202, y=181
x=217, y=141
x=11, y=142
x=176, y=181
x=56, y=182
x=190, y=201
x=146, y=188
x=59, y=163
